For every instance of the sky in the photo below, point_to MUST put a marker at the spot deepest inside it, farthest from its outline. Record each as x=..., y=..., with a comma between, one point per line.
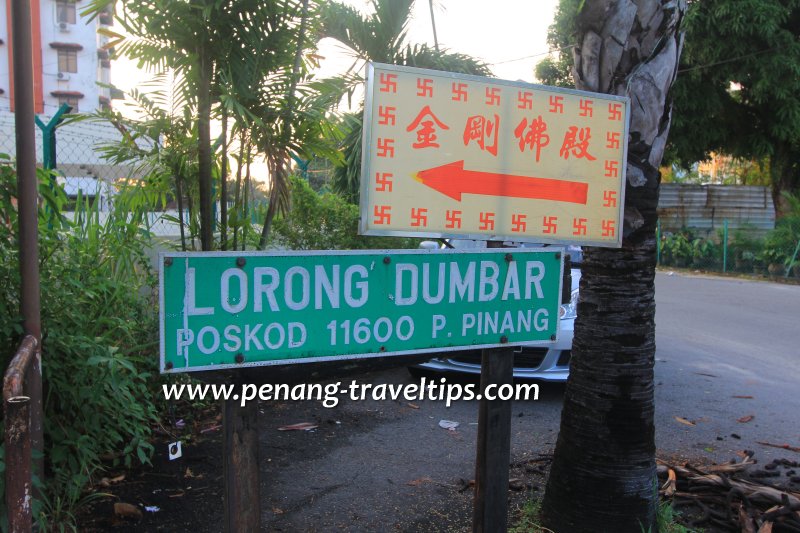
x=509, y=35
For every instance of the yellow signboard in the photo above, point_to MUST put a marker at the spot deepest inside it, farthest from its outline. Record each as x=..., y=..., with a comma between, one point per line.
x=464, y=156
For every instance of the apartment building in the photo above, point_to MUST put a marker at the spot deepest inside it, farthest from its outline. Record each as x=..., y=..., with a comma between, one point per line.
x=69, y=57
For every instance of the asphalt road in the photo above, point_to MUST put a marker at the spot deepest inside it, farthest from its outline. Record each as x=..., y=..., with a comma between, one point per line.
x=718, y=338
x=387, y=465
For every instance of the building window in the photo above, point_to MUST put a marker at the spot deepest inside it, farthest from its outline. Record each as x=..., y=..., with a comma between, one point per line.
x=65, y=11
x=70, y=101
x=67, y=60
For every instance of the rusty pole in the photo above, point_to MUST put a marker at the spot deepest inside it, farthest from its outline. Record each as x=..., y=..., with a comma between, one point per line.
x=16, y=410
x=27, y=197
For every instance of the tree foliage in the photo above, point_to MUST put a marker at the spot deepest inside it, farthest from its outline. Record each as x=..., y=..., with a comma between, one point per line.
x=381, y=37
x=738, y=91
x=247, y=60
x=738, y=88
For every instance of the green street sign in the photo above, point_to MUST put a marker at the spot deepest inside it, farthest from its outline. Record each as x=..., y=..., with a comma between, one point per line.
x=228, y=310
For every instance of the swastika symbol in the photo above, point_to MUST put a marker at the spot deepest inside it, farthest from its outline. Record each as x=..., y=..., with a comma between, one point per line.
x=383, y=181
x=385, y=147
x=453, y=219
x=549, y=224
x=612, y=139
x=556, y=104
x=518, y=223
x=608, y=228
x=492, y=96
x=614, y=111
x=487, y=221
x=459, y=92
x=524, y=100
x=419, y=216
x=579, y=226
x=612, y=169
x=383, y=214
x=424, y=87
x=609, y=198
x=586, y=108
x=388, y=83
x=387, y=115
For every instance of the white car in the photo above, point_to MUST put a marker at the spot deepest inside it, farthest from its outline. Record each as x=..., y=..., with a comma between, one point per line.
x=545, y=363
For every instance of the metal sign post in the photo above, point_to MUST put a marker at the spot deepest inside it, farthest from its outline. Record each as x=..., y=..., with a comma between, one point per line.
x=448, y=155
x=490, y=508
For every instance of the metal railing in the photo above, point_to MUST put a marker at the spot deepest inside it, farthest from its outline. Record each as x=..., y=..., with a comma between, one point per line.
x=17, y=436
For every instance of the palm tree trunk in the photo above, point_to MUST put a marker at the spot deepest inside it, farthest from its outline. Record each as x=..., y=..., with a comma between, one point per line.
x=603, y=476
x=246, y=225
x=204, y=149
x=223, y=184
x=237, y=195
x=179, y=191
x=783, y=174
x=279, y=176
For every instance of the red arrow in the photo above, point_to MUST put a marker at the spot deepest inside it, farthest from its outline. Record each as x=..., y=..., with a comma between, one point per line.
x=453, y=180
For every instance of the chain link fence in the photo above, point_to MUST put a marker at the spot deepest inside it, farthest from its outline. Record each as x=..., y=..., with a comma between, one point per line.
x=743, y=250
x=86, y=174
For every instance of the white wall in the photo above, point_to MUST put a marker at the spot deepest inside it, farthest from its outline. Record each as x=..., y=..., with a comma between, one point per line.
x=4, y=67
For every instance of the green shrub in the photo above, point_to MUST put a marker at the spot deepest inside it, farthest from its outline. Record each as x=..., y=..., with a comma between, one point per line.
x=98, y=336
x=326, y=222
x=676, y=249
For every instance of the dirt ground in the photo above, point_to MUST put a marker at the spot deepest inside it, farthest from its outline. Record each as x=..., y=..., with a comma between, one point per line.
x=311, y=480
x=367, y=466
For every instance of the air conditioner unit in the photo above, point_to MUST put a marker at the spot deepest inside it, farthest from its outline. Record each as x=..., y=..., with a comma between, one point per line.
x=64, y=27
x=62, y=76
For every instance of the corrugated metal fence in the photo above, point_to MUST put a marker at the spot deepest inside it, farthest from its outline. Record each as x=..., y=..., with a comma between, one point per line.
x=704, y=208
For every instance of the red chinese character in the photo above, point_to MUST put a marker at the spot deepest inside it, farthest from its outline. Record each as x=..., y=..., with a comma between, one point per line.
x=534, y=136
x=426, y=135
x=479, y=128
x=576, y=141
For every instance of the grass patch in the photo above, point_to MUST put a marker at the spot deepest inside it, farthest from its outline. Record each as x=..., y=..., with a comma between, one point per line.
x=530, y=519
